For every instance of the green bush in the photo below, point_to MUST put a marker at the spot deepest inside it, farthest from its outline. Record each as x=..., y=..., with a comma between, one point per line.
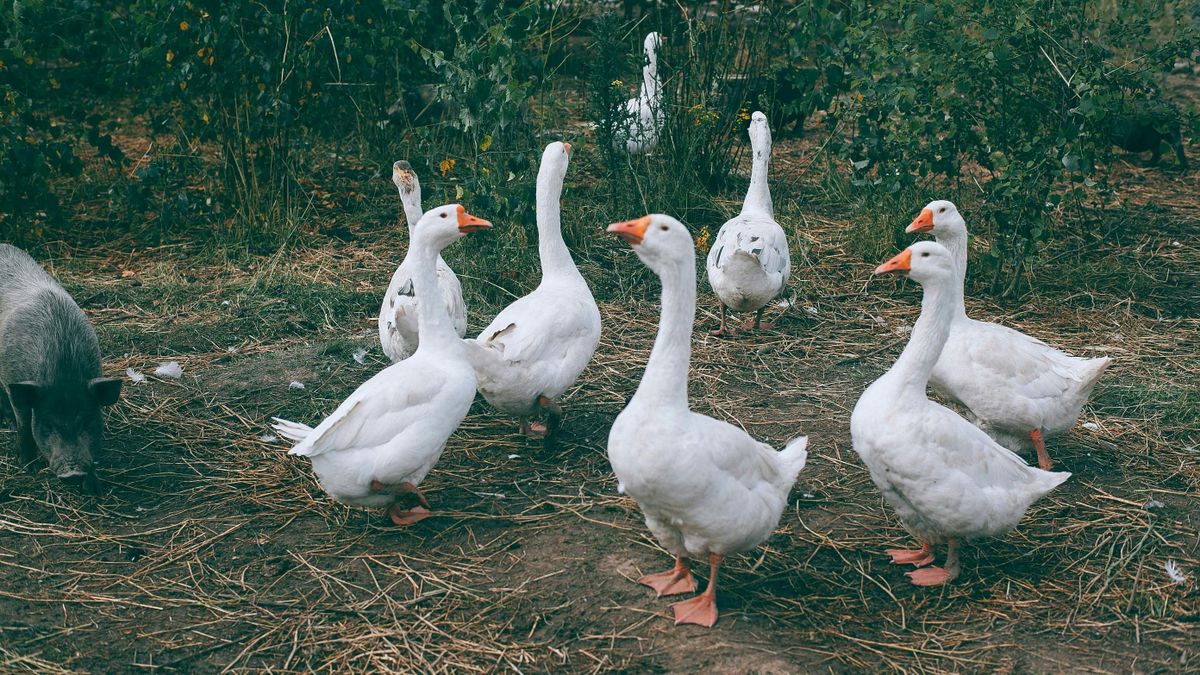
x=1013, y=98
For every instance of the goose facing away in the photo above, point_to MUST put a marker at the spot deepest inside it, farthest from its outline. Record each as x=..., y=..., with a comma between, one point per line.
x=947, y=480
x=379, y=444
x=749, y=264
x=1019, y=389
x=643, y=118
x=706, y=487
x=398, y=315
x=536, y=347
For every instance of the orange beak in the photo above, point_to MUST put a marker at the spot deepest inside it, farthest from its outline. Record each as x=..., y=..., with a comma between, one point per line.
x=567, y=147
x=900, y=263
x=922, y=223
x=631, y=231
x=468, y=223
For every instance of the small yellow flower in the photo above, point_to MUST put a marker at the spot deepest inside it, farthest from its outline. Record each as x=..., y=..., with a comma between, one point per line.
x=702, y=239
x=183, y=85
x=485, y=143
x=170, y=56
x=204, y=117
x=618, y=83
x=446, y=166
x=743, y=115
x=183, y=25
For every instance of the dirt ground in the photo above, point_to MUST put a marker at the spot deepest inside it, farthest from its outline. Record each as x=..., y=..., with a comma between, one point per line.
x=212, y=549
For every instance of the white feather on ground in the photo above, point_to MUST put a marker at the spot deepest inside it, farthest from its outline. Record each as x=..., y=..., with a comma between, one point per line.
x=170, y=369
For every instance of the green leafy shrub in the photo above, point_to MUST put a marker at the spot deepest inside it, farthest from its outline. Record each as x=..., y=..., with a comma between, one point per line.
x=1011, y=97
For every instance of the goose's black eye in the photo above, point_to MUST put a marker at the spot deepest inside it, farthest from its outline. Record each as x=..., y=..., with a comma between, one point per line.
x=663, y=228
x=443, y=215
x=925, y=254
x=942, y=210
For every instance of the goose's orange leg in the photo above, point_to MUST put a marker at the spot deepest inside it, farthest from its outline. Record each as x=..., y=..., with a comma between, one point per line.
x=757, y=322
x=399, y=515
x=674, y=581
x=1040, y=443
x=724, y=329
x=702, y=609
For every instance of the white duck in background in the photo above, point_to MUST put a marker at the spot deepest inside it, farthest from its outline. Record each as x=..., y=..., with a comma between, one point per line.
x=1019, y=389
x=947, y=480
x=644, y=114
x=380, y=443
x=536, y=347
x=749, y=263
x=706, y=487
x=398, y=316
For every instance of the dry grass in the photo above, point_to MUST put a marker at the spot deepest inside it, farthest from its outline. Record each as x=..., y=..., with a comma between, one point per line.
x=213, y=550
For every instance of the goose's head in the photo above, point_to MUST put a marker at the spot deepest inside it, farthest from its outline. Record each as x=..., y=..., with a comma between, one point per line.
x=659, y=240
x=405, y=178
x=923, y=262
x=939, y=218
x=652, y=42
x=444, y=225
x=555, y=159
x=759, y=130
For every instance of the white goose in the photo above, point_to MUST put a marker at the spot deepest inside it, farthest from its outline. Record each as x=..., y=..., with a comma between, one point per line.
x=1020, y=389
x=706, y=487
x=947, y=480
x=643, y=115
x=380, y=443
x=537, y=346
x=749, y=263
x=398, y=332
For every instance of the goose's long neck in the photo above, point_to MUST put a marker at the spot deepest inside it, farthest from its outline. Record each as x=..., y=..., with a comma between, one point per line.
x=957, y=245
x=651, y=86
x=927, y=339
x=552, y=249
x=434, y=330
x=666, y=376
x=413, y=213
x=758, y=195
x=412, y=208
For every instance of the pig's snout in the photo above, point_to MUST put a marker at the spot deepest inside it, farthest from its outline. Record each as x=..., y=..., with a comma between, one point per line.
x=84, y=480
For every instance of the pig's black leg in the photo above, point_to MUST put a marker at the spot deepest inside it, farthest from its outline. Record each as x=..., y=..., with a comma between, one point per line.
x=26, y=447
x=1177, y=145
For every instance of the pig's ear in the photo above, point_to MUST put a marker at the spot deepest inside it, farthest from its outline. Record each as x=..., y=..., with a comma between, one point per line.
x=105, y=390
x=24, y=395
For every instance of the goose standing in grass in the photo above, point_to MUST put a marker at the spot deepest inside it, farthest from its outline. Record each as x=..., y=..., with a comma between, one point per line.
x=947, y=480
x=380, y=443
x=398, y=317
x=706, y=487
x=537, y=346
x=749, y=263
x=1020, y=389
x=643, y=117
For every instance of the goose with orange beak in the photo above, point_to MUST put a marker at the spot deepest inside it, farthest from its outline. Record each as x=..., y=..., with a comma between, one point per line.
x=947, y=480
x=381, y=442
x=1019, y=389
x=706, y=487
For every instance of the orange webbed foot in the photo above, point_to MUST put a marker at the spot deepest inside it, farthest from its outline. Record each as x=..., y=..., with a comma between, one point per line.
x=700, y=610
x=929, y=576
x=671, y=582
x=405, y=517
